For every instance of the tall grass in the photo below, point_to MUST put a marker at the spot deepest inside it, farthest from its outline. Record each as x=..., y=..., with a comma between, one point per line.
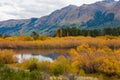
x=56, y=42
x=7, y=57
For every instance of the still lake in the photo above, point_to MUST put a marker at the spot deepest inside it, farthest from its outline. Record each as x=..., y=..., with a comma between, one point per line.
x=40, y=54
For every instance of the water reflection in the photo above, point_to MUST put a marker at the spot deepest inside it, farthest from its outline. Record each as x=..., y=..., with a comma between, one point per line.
x=22, y=57
x=40, y=54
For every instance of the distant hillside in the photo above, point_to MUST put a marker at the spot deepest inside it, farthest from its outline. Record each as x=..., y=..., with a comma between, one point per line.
x=98, y=15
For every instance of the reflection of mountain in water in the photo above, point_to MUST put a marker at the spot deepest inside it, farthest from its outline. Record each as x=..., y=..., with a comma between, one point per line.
x=48, y=55
x=22, y=57
x=55, y=56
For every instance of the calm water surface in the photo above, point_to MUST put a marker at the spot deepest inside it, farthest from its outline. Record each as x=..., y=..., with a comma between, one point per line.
x=40, y=54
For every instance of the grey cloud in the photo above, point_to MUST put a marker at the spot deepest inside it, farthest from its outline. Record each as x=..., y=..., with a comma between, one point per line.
x=31, y=8
x=39, y=8
x=5, y=4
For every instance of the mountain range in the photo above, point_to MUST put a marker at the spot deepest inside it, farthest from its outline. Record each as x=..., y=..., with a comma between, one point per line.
x=97, y=15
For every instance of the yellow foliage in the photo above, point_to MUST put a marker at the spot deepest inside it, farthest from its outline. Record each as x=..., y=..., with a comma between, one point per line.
x=63, y=62
x=84, y=49
x=98, y=54
x=93, y=59
x=27, y=63
x=117, y=51
x=73, y=52
x=7, y=56
x=62, y=42
x=110, y=66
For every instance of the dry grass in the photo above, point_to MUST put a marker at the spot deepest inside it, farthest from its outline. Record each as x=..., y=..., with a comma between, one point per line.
x=7, y=56
x=64, y=42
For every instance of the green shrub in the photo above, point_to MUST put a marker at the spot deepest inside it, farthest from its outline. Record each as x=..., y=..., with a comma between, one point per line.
x=31, y=64
x=58, y=70
x=82, y=72
x=35, y=75
x=32, y=67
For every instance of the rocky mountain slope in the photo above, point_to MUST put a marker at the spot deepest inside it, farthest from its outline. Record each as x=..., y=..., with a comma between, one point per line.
x=88, y=16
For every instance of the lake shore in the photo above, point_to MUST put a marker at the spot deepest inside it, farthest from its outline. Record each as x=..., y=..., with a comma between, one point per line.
x=59, y=43
x=87, y=55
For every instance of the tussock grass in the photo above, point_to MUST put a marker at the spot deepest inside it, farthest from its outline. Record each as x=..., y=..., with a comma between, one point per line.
x=57, y=43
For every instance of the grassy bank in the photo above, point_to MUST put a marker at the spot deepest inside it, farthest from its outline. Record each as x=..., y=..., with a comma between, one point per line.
x=88, y=56
x=57, y=43
x=101, y=63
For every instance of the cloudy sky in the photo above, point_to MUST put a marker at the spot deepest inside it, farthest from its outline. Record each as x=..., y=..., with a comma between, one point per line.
x=23, y=9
